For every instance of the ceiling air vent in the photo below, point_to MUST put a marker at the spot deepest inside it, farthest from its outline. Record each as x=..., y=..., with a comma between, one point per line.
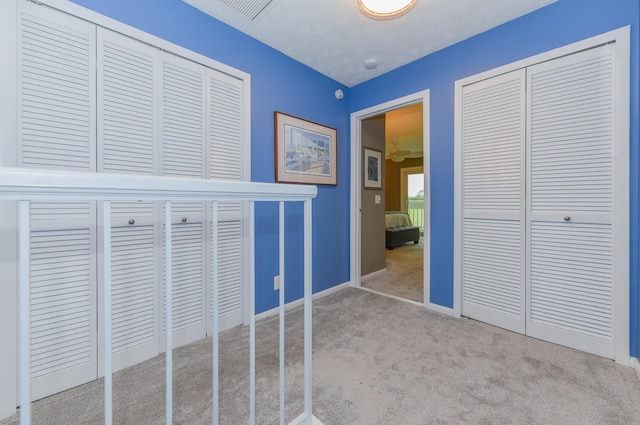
x=248, y=8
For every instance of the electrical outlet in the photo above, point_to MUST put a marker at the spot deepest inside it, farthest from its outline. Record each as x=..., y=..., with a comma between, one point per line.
x=276, y=283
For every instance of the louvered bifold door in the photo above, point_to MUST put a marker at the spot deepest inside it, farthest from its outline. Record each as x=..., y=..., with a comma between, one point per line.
x=493, y=201
x=182, y=139
x=127, y=143
x=224, y=139
x=571, y=160
x=56, y=92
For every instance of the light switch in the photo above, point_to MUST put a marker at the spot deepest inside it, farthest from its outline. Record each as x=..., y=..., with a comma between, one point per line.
x=378, y=199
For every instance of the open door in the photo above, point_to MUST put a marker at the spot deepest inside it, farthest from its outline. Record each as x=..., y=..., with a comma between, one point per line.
x=363, y=202
x=372, y=253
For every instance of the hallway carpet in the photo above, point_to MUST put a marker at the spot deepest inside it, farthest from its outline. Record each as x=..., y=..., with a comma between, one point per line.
x=377, y=361
x=404, y=275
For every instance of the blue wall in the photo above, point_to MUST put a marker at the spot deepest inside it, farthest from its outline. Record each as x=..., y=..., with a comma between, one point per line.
x=561, y=23
x=277, y=83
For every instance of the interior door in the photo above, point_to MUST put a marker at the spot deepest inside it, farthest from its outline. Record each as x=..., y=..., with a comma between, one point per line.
x=571, y=202
x=127, y=143
x=225, y=153
x=56, y=127
x=182, y=139
x=493, y=238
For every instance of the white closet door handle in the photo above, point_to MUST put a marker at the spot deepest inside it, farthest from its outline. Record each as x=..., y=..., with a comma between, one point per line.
x=567, y=218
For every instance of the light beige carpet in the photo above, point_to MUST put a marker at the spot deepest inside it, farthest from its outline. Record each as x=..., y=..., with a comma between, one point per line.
x=404, y=275
x=377, y=361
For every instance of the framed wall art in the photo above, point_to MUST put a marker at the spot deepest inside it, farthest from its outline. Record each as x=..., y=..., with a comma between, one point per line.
x=372, y=168
x=305, y=152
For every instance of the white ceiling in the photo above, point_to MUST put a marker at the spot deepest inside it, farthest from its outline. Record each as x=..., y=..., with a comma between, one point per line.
x=336, y=39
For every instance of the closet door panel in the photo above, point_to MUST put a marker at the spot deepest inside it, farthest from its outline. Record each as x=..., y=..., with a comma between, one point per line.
x=571, y=154
x=224, y=142
x=183, y=154
x=56, y=130
x=127, y=143
x=230, y=276
x=493, y=201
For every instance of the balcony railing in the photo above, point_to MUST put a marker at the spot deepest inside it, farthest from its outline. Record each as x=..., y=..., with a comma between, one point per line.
x=37, y=185
x=415, y=208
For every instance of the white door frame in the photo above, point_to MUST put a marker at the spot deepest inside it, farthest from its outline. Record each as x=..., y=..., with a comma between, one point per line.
x=621, y=37
x=356, y=173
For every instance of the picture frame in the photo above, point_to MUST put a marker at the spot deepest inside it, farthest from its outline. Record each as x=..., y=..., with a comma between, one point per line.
x=372, y=169
x=305, y=151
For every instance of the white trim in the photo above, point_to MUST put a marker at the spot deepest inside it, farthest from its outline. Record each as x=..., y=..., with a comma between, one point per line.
x=104, y=21
x=621, y=37
x=621, y=175
x=440, y=309
x=297, y=303
x=247, y=229
x=8, y=212
x=635, y=364
x=394, y=297
x=373, y=275
x=457, y=200
x=356, y=165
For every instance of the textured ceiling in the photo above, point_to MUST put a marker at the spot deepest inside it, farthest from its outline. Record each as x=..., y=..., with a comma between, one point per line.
x=336, y=39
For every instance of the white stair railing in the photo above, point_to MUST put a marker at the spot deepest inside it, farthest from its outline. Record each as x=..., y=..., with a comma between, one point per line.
x=26, y=185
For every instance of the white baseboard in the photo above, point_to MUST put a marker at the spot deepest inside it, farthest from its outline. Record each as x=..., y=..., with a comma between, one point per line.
x=293, y=304
x=419, y=304
x=635, y=364
x=372, y=275
x=440, y=309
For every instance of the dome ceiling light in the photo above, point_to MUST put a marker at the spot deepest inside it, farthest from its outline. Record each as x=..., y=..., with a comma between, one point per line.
x=385, y=9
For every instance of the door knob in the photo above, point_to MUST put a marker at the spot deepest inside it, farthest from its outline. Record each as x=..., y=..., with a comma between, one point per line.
x=567, y=218
x=131, y=221
x=184, y=219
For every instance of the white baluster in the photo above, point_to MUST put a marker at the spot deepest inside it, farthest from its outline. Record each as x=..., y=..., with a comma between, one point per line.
x=24, y=309
x=169, y=314
x=281, y=274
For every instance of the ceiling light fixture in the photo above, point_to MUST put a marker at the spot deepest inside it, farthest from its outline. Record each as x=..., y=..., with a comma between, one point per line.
x=385, y=9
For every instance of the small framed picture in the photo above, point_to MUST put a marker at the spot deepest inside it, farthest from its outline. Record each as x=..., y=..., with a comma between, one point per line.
x=305, y=151
x=372, y=168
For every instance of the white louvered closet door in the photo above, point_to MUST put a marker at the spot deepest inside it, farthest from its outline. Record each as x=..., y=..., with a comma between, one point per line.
x=56, y=92
x=571, y=202
x=493, y=147
x=224, y=136
x=183, y=149
x=127, y=143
